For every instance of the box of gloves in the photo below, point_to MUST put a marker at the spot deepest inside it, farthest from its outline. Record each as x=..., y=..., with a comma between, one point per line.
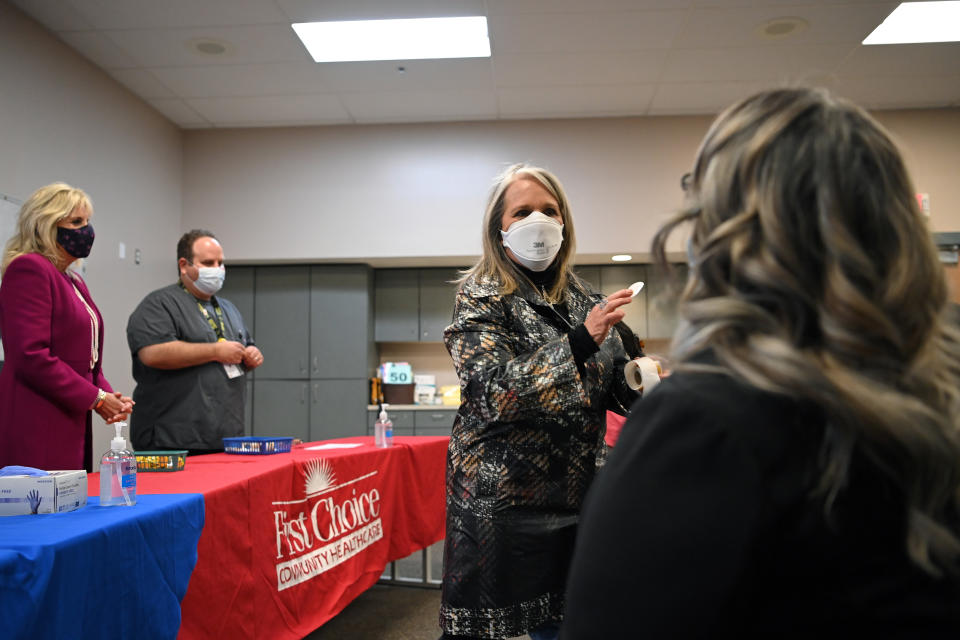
x=56, y=492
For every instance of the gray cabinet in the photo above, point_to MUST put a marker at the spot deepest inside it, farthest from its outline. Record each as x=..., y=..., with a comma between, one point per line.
x=337, y=408
x=437, y=294
x=282, y=313
x=281, y=408
x=434, y=422
x=419, y=422
x=341, y=322
x=315, y=328
x=397, y=305
x=238, y=288
x=402, y=422
x=610, y=278
x=665, y=289
x=413, y=305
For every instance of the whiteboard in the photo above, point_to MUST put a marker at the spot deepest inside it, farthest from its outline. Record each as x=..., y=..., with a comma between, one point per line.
x=9, y=210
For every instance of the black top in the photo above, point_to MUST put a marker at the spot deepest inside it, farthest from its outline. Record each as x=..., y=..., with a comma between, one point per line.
x=703, y=524
x=188, y=408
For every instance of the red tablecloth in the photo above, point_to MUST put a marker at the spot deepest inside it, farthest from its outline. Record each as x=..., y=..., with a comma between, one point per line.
x=291, y=539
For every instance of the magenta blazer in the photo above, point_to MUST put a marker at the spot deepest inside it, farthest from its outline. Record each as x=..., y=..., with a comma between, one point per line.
x=46, y=385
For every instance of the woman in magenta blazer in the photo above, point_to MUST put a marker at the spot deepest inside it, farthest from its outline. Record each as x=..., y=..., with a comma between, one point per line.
x=52, y=338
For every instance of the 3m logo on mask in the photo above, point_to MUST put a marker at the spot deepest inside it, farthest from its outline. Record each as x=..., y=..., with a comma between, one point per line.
x=534, y=241
x=333, y=523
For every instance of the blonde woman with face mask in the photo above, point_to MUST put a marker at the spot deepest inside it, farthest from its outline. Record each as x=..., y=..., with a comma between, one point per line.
x=539, y=366
x=52, y=379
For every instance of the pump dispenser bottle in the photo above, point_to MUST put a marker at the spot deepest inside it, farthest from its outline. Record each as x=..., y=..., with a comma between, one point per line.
x=383, y=429
x=118, y=473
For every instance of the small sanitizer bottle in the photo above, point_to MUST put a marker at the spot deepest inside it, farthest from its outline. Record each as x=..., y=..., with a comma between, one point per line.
x=383, y=429
x=118, y=473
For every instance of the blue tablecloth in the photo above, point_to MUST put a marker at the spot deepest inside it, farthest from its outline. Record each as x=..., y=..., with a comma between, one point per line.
x=99, y=572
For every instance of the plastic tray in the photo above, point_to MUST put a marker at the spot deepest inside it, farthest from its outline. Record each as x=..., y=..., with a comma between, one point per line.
x=161, y=460
x=253, y=446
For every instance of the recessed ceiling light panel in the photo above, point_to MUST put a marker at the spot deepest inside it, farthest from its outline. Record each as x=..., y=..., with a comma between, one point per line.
x=408, y=39
x=917, y=22
x=622, y=257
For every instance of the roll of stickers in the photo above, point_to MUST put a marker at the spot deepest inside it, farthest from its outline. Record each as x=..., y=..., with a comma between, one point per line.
x=642, y=373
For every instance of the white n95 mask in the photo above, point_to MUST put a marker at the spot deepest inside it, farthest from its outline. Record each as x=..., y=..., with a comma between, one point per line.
x=534, y=241
x=210, y=279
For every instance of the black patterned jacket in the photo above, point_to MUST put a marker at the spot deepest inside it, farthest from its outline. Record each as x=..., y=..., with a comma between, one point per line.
x=526, y=443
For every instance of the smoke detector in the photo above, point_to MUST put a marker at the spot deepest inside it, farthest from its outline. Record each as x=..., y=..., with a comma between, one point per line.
x=780, y=28
x=209, y=47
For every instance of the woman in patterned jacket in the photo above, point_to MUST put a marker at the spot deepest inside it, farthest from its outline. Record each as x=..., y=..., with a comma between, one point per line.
x=538, y=367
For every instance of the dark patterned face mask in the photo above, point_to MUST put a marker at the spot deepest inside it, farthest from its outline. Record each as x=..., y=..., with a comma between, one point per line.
x=76, y=242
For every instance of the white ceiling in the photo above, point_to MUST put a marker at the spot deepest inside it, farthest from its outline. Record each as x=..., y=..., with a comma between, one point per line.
x=551, y=58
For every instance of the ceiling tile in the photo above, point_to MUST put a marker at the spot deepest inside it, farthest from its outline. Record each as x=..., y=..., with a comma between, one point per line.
x=245, y=45
x=766, y=64
x=421, y=106
x=151, y=14
x=713, y=28
x=271, y=110
x=223, y=81
x=313, y=11
x=178, y=112
x=463, y=73
x=143, y=83
x=514, y=7
x=99, y=49
x=555, y=69
x=900, y=92
x=700, y=97
x=55, y=15
x=571, y=32
x=940, y=58
x=554, y=102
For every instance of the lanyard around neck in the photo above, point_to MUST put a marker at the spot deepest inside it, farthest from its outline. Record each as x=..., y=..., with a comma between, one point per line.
x=219, y=329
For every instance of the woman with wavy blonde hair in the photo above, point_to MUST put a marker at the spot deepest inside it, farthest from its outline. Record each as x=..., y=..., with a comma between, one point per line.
x=799, y=471
x=52, y=334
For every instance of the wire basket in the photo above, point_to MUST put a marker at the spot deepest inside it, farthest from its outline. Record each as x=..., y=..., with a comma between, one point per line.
x=253, y=446
x=161, y=460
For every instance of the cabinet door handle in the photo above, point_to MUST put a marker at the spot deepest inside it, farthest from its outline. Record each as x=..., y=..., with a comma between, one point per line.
x=303, y=394
x=316, y=393
x=301, y=365
x=438, y=416
x=316, y=364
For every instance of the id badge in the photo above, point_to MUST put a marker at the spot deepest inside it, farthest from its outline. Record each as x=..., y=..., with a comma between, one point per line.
x=233, y=370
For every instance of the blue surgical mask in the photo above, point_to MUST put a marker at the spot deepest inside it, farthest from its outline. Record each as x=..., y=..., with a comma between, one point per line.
x=210, y=279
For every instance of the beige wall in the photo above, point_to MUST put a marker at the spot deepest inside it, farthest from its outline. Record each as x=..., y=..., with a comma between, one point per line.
x=417, y=191
x=63, y=119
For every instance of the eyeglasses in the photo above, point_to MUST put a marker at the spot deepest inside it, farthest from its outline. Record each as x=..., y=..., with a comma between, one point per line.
x=685, y=181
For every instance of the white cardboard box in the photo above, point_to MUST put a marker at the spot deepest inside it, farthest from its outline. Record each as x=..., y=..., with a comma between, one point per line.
x=58, y=492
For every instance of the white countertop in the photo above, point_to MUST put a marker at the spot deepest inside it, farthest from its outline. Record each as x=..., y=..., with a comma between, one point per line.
x=416, y=407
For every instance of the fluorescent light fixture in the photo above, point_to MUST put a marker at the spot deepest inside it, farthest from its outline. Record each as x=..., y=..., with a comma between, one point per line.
x=914, y=22
x=622, y=257
x=412, y=39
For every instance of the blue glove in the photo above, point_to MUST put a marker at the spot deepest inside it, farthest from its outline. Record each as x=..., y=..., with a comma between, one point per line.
x=14, y=470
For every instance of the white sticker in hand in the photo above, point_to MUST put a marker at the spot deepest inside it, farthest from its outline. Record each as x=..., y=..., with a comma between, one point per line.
x=635, y=287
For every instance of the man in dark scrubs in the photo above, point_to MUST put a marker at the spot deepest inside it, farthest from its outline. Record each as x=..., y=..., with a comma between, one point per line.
x=190, y=353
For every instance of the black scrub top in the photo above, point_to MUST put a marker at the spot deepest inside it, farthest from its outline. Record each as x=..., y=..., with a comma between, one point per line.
x=190, y=408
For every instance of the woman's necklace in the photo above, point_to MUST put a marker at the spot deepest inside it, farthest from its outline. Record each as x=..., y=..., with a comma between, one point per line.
x=94, y=326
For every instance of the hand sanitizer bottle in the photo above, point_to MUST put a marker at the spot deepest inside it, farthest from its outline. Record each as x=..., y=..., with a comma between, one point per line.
x=383, y=429
x=118, y=473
